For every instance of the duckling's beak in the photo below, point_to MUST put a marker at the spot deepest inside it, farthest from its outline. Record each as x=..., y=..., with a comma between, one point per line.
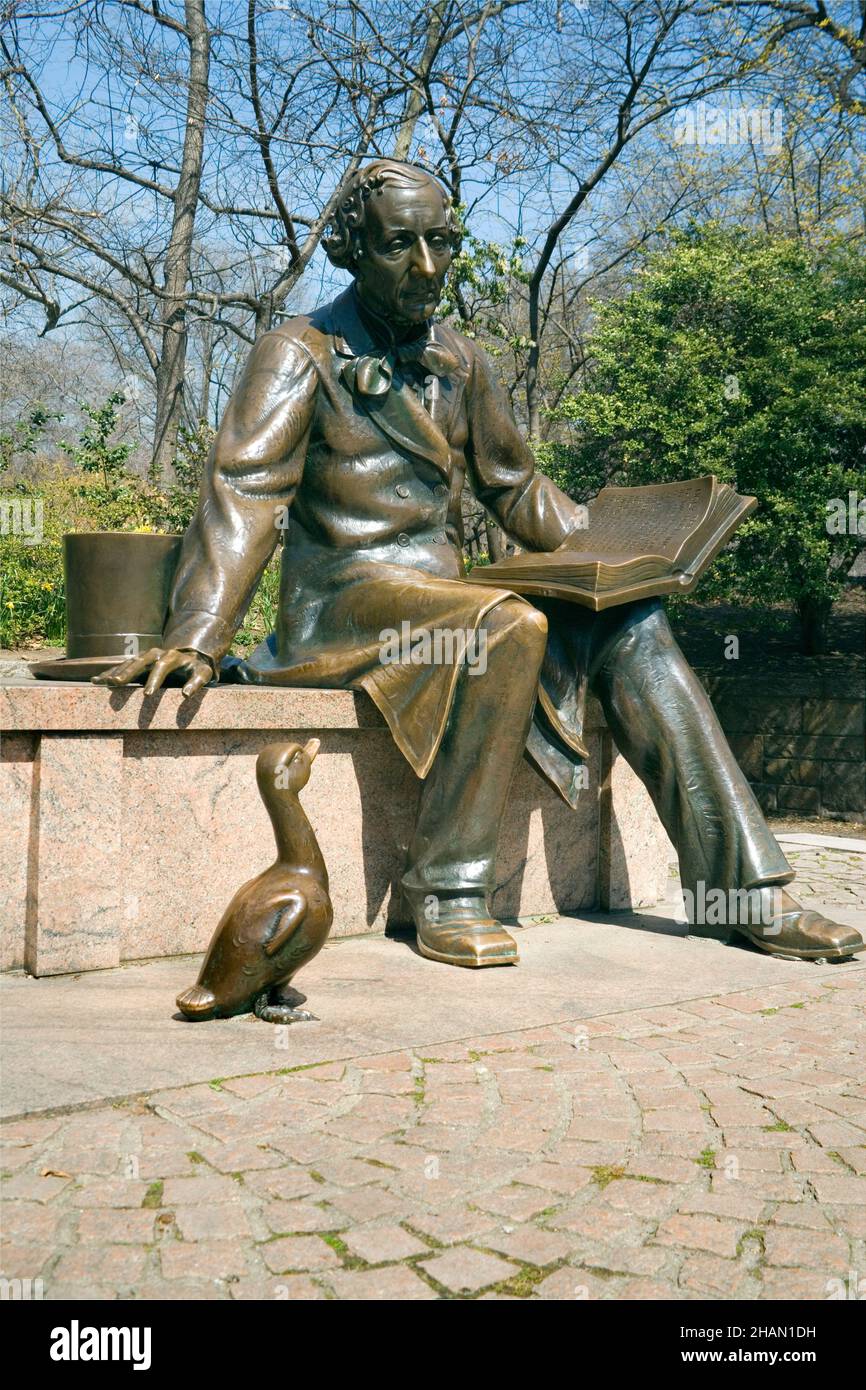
x=312, y=748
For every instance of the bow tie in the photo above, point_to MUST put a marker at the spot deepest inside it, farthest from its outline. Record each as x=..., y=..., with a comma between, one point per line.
x=373, y=374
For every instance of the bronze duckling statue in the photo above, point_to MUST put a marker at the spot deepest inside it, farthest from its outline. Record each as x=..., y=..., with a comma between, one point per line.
x=277, y=921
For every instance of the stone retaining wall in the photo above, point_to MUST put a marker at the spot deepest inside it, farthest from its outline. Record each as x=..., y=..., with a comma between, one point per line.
x=798, y=736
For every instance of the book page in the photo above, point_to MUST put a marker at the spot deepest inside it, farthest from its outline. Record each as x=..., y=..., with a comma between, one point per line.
x=658, y=521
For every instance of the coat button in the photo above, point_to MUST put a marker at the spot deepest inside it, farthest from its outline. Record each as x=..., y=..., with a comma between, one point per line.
x=441, y=490
x=402, y=539
x=401, y=490
x=440, y=538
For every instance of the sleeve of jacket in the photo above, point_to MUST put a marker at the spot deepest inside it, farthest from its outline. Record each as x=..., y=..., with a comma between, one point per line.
x=252, y=475
x=529, y=507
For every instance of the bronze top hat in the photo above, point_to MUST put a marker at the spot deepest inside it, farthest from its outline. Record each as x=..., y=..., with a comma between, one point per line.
x=117, y=593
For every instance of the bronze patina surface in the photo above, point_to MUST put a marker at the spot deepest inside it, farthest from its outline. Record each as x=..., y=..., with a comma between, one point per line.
x=118, y=586
x=278, y=921
x=349, y=439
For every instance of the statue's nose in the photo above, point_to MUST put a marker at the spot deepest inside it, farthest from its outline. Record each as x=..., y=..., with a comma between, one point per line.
x=422, y=261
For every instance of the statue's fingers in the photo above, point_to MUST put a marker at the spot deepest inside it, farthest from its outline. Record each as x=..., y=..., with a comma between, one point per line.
x=202, y=675
x=128, y=670
x=168, y=662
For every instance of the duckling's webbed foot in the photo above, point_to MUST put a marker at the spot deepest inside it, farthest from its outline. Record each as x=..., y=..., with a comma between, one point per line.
x=281, y=1004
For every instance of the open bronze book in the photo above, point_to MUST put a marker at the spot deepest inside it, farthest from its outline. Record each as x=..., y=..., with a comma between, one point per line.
x=638, y=542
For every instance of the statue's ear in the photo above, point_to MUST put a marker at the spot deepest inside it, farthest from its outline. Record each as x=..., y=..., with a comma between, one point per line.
x=289, y=919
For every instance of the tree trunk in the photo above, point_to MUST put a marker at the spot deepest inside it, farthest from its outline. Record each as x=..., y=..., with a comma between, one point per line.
x=172, y=361
x=814, y=614
x=495, y=542
x=533, y=399
x=415, y=100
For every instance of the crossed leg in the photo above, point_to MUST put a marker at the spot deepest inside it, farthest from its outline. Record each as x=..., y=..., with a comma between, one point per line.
x=664, y=725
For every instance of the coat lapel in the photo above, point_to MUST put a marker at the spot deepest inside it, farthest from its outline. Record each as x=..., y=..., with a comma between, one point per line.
x=398, y=414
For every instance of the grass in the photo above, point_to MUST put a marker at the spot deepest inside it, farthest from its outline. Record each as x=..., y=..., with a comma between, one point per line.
x=606, y=1173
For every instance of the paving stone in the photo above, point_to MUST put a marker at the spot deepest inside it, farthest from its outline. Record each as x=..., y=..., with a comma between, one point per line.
x=771, y=1187
x=713, y=1277
x=33, y=1187
x=29, y=1131
x=184, y=1290
x=241, y=1155
x=842, y=1189
x=576, y=1285
x=110, y=1192
x=733, y=1201
x=378, y=1244
x=805, y=1249
x=662, y=1167
x=463, y=1270
x=699, y=1232
x=369, y=1203
x=601, y=1223
x=452, y=1226
x=30, y=1223
x=111, y=1266
x=24, y=1261
x=247, y=1086
x=283, y=1288
x=645, y=1290
x=555, y=1177
x=393, y=1284
x=805, y=1285
x=117, y=1226
x=647, y=1199
x=851, y=1220
x=208, y=1188
x=806, y=1214
x=297, y=1253
x=287, y=1218
x=283, y=1184
x=530, y=1244
x=219, y=1222
x=202, y=1260
x=516, y=1201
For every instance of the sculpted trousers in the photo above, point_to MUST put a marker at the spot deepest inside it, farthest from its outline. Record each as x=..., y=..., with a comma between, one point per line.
x=660, y=719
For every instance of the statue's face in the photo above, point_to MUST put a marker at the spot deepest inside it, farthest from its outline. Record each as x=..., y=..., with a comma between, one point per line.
x=406, y=253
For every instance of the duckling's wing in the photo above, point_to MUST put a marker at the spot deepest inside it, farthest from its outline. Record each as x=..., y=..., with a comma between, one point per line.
x=289, y=919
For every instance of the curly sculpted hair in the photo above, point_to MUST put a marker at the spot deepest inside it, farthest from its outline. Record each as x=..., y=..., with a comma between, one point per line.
x=343, y=242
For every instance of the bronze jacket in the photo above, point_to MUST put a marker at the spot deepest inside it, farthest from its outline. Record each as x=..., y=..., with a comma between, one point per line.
x=364, y=493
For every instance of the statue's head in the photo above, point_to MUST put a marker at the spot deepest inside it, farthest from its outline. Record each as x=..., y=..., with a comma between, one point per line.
x=395, y=230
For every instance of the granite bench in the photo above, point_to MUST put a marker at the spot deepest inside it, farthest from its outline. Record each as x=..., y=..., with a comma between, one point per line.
x=130, y=822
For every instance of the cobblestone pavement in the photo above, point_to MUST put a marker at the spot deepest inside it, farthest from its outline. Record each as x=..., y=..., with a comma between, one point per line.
x=827, y=875
x=713, y=1149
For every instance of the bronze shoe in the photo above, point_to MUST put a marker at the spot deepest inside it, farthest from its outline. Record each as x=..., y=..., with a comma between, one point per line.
x=460, y=931
x=793, y=932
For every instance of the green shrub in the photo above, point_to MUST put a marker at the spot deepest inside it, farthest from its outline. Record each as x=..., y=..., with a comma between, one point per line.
x=738, y=355
x=96, y=492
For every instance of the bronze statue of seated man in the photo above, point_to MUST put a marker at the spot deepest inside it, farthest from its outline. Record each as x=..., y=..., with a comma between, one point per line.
x=349, y=438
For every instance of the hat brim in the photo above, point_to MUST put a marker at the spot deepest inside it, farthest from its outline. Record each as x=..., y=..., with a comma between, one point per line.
x=74, y=668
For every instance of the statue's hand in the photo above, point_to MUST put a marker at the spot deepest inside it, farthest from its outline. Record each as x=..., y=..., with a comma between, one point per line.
x=161, y=661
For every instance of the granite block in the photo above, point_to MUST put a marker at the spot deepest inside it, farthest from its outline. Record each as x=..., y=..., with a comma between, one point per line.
x=134, y=821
